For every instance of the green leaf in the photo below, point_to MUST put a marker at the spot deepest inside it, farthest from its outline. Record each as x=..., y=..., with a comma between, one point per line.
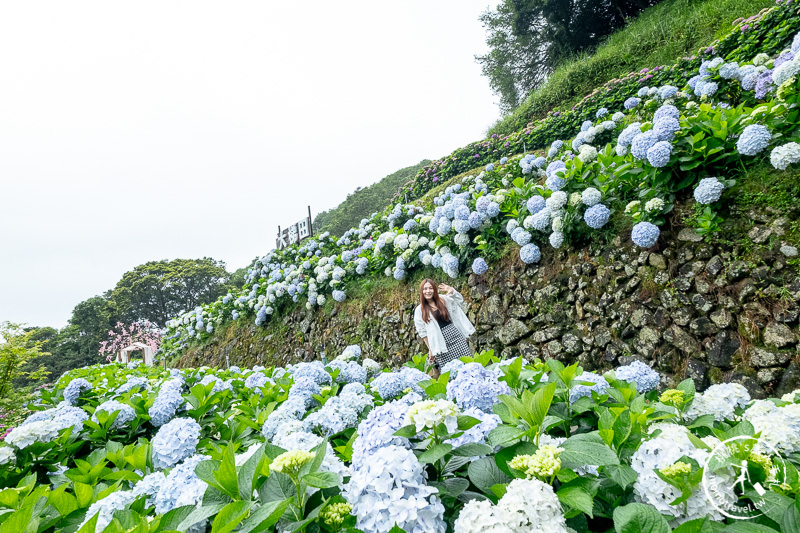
x=465, y=422
x=790, y=521
x=199, y=514
x=774, y=504
x=264, y=517
x=172, y=519
x=748, y=527
x=622, y=475
x=473, y=449
x=230, y=516
x=484, y=473
x=84, y=493
x=277, y=487
x=452, y=487
x=701, y=525
x=587, y=449
x=226, y=473
x=248, y=473
x=503, y=435
x=639, y=518
x=577, y=498
x=322, y=480
x=541, y=403
x=434, y=453
x=406, y=431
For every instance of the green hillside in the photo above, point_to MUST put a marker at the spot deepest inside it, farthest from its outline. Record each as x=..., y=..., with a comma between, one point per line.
x=364, y=201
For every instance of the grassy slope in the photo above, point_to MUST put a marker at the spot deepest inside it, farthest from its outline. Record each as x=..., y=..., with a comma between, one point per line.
x=669, y=30
x=364, y=201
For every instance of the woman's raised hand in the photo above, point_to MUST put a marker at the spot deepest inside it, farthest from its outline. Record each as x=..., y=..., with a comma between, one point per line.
x=447, y=289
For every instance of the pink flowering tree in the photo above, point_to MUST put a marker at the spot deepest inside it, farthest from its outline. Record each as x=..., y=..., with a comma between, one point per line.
x=123, y=335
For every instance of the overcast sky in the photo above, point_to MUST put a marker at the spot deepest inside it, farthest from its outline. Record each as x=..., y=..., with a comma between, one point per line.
x=149, y=130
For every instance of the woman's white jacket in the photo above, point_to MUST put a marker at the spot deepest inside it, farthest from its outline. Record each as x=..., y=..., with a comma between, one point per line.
x=431, y=330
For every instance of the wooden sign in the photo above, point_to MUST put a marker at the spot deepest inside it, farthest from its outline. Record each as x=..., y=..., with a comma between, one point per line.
x=294, y=233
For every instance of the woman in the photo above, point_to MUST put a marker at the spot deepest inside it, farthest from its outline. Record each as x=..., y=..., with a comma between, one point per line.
x=442, y=324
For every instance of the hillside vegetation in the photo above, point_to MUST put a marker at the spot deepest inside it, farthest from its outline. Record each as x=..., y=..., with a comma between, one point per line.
x=364, y=201
x=662, y=33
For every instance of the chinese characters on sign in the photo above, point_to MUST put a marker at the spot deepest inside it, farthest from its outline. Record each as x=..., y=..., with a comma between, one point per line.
x=294, y=233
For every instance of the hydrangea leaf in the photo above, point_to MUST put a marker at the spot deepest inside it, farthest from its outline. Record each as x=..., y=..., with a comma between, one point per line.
x=576, y=497
x=278, y=487
x=322, y=480
x=199, y=514
x=249, y=472
x=484, y=473
x=587, y=449
x=503, y=435
x=230, y=516
x=622, y=475
x=701, y=525
x=639, y=518
x=473, y=449
x=434, y=453
x=264, y=517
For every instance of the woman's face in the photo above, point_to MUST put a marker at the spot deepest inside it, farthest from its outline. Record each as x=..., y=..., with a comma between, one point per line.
x=427, y=290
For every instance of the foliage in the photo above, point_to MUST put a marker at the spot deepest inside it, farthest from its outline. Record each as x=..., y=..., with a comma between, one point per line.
x=590, y=452
x=364, y=201
x=157, y=290
x=16, y=350
x=769, y=32
x=527, y=39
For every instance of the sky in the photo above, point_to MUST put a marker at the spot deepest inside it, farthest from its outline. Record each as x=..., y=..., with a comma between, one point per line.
x=149, y=130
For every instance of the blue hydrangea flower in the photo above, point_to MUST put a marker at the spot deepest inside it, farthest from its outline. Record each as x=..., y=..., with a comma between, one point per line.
x=626, y=137
x=133, y=382
x=556, y=239
x=658, y=155
x=349, y=371
x=753, y=140
x=175, y=441
x=579, y=391
x=590, y=196
x=749, y=81
x=461, y=212
x=339, y=296
x=479, y=432
x=408, y=226
x=461, y=226
x=182, y=486
x=314, y=370
x=520, y=236
x=554, y=167
x=75, y=388
x=667, y=91
x=708, y=191
x=596, y=216
x=631, y=102
x=125, y=413
x=535, y=204
x=643, y=91
x=493, y=209
x=601, y=112
x=479, y=266
x=530, y=253
x=642, y=143
x=706, y=88
x=645, y=234
x=503, y=160
x=646, y=378
x=389, y=385
x=257, y=381
x=541, y=220
x=666, y=127
x=489, y=167
x=554, y=183
x=450, y=265
x=586, y=125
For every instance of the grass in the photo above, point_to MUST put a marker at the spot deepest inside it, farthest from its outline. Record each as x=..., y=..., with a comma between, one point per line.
x=660, y=35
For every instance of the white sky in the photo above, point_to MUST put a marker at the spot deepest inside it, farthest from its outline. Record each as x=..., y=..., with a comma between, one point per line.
x=148, y=130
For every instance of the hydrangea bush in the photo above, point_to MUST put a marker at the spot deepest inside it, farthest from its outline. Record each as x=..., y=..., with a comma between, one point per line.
x=490, y=445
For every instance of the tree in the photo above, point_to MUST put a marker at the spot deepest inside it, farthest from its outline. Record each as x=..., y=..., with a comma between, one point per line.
x=16, y=350
x=159, y=290
x=124, y=335
x=528, y=39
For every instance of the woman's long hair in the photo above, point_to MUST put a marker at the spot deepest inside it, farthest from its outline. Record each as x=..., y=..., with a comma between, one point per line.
x=427, y=312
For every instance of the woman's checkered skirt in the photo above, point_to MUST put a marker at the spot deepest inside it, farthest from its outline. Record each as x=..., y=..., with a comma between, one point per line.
x=457, y=346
